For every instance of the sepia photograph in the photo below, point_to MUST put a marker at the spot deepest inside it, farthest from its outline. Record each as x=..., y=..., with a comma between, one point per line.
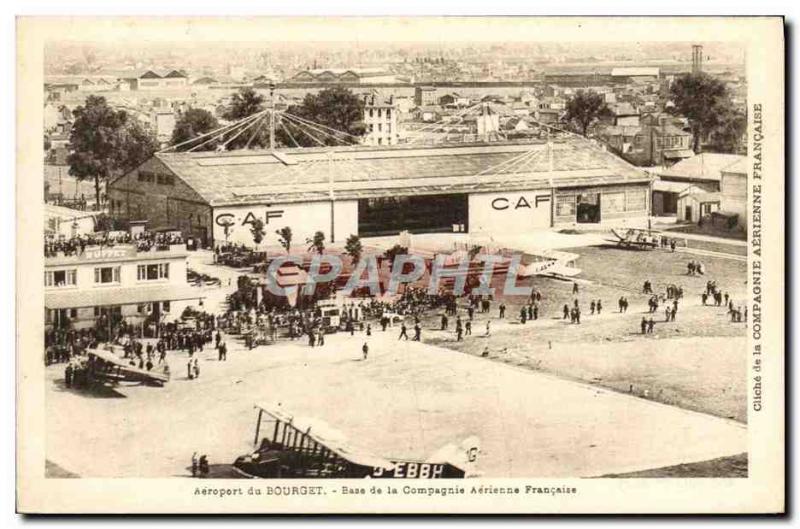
x=273, y=265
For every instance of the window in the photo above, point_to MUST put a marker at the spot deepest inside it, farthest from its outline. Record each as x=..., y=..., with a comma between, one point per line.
x=565, y=205
x=165, y=306
x=380, y=127
x=152, y=272
x=106, y=274
x=636, y=200
x=166, y=179
x=73, y=313
x=147, y=176
x=388, y=112
x=371, y=112
x=60, y=278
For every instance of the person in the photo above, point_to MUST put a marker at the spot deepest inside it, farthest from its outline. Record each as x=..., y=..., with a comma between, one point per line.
x=577, y=315
x=365, y=350
x=566, y=312
x=574, y=287
x=459, y=334
x=444, y=322
x=321, y=338
x=672, y=244
x=196, y=368
x=369, y=329
x=470, y=312
x=194, y=465
x=418, y=332
x=149, y=364
x=591, y=307
x=189, y=369
x=468, y=328
x=68, y=375
x=218, y=338
x=530, y=311
x=203, y=466
x=599, y=306
x=488, y=327
x=403, y=331
x=620, y=303
x=644, y=325
x=536, y=311
x=704, y=297
x=727, y=297
x=312, y=340
x=502, y=310
x=485, y=352
x=651, y=325
x=523, y=315
x=667, y=313
x=223, y=351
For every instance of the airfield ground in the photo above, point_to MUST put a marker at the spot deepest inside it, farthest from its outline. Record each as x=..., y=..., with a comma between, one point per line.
x=552, y=399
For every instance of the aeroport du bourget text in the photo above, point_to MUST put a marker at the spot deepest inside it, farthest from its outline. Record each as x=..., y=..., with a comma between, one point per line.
x=369, y=265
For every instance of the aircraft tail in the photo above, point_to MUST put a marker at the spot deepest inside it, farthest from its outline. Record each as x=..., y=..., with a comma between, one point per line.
x=463, y=455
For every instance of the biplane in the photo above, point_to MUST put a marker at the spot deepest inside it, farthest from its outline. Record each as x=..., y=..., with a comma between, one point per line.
x=638, y=238
x=103, y=366
x=301, y=447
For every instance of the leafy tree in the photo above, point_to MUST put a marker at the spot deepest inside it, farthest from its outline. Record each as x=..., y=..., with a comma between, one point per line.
x=194, y=122
x=316, y=243
x=354, y=248
x=703, y=100
x=257, y=229
x=247, y=102
x=727, y=136
x=336, y=107
x=104, y=143
x=584, y=109
x=393, y=252
x=285, y=237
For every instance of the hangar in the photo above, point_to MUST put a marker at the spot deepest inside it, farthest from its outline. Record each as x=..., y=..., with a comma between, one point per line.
x=500, y=187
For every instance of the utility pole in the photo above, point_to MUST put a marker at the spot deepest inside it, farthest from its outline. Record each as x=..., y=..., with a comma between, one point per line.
x=272, y=116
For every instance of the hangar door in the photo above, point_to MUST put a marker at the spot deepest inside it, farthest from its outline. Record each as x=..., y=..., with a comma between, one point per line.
x=417, y=214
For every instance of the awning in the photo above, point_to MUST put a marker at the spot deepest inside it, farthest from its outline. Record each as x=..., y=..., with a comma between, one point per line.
x=673, y=154
x=103, y=296
x=670, y=187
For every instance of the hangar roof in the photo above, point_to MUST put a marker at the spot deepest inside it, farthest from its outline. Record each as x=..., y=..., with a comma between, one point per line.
x=301, y=175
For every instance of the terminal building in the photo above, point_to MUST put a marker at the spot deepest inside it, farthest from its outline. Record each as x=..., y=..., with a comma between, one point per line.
x=117, y=283
x=498, y=187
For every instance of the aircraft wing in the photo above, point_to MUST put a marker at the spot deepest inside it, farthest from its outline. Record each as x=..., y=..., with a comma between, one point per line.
x=132, y=372
x=332, y=439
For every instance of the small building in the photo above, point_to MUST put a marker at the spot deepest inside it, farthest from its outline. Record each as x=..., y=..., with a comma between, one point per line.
x=703, y=171
x=425, y=96
x=694, y=203
x=67, y=222
x=380, y=118
x=628, y=74
x=733, y=189
x=105, y=285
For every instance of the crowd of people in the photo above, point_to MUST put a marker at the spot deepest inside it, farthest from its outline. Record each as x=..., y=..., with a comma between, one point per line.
x=144, y=241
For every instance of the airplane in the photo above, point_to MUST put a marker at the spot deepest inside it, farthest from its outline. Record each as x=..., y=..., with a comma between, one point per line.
x=302, y=447
x=636, y=238
x=106, y=367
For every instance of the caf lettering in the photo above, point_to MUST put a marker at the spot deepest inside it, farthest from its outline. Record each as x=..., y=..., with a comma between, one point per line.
x=502, y=203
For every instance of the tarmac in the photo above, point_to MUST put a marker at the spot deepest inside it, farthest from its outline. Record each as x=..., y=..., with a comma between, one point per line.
x=407, y=400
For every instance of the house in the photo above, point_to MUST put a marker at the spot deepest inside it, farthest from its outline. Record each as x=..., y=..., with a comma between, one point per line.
x=628, y=74
x=703, y=171
x=625, y=115
x=694, y=203
x=425, y=96
x=427, y=114
x=380, y=118
x=733, y=189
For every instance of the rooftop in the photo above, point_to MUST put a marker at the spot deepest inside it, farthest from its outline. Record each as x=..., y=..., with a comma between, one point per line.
x=704, y=166
x=300, y=175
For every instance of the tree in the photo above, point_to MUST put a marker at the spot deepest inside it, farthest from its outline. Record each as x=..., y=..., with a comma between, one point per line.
x=316, y=243
x=195, y=122
x=393, y=252
x=728, y=135
x=257, y=229
x=336, y=107
x=703, y=100
x=354, y=248
x=585, y=108
x=104, y=143
x=245, y=103
x=285, y=237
